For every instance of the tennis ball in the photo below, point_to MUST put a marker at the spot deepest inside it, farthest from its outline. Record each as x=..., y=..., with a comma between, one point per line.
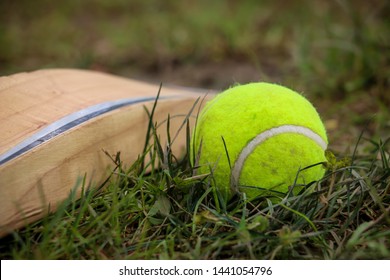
x=259, y=138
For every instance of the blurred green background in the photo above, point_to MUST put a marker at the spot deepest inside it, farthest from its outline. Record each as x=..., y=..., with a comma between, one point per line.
x=337, y=51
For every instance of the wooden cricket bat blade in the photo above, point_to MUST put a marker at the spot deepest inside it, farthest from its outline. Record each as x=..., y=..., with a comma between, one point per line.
x=56, y=125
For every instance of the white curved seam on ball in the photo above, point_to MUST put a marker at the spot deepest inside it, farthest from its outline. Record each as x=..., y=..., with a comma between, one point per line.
x=260, y=138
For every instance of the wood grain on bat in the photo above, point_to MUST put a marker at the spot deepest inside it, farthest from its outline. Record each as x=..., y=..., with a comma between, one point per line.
x=45, y=174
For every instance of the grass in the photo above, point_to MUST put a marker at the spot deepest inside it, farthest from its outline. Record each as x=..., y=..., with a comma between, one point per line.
x=296, y=43
x=167, y=212
x=335, y=51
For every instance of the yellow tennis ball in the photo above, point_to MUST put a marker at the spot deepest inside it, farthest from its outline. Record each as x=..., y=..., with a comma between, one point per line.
x=260, y=138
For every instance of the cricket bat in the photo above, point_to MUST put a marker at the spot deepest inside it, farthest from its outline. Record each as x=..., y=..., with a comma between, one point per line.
x=57, y=125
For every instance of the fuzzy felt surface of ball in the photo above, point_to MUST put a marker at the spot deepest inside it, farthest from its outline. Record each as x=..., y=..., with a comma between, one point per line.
x=261, y=139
